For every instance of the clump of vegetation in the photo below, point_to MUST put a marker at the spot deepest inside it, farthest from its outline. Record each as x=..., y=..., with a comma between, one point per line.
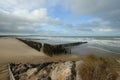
x=98, y=68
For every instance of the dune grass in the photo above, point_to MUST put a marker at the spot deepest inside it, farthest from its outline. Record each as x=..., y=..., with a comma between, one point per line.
x=92, y=68
x=98, y=68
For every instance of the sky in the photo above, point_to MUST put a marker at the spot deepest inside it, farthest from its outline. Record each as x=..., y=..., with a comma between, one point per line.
x=60, y=17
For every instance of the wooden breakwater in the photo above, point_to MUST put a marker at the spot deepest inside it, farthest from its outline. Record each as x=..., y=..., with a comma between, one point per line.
x=52, y=49
x=32, y=44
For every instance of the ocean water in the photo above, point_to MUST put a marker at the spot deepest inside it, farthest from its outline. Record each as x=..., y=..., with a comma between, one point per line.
x=108, y=43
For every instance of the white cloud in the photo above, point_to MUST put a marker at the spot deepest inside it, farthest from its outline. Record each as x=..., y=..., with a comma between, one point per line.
x=105, y=30
x=25, y=20
x=35, y=14
x=21, y=4
x=27, y=15
x=41, y=13
x=91, y=6
x=28, y=4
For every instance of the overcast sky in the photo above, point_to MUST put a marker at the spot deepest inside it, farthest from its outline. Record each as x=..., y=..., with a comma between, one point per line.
x=60, y=17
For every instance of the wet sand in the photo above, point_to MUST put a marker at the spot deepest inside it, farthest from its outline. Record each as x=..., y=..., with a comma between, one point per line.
x=85, y=49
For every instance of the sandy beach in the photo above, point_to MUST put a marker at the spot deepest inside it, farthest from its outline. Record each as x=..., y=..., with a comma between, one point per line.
x=13, y=50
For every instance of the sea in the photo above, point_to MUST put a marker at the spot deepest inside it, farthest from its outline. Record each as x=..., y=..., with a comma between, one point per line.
x=108, y=43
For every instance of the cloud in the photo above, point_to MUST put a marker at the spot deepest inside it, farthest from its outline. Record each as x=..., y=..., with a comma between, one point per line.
x=28, y=4
x=105, y=30
x=105, y=15
x=25, y=21
x=21, y=4
x=94, y=26
x=107, y=10
x=92, y=7
x=30, y=15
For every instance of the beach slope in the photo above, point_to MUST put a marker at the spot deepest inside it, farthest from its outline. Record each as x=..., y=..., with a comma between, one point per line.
x=13, y=50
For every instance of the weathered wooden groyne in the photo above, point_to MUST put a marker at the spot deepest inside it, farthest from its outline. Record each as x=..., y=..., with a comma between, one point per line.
x=32, y=44
x=51, y=49
x=54, y=49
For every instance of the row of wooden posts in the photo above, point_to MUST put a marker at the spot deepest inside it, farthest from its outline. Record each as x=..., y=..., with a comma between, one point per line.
x=32, y=44
x=47, y=48
x=54, y=49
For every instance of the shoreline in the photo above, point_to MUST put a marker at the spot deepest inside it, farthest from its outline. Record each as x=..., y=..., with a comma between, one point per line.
x=86, y=50
x=13, y=50
x=17, y=52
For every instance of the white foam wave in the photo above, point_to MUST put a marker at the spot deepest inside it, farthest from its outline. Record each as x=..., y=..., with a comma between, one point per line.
x=114, y=43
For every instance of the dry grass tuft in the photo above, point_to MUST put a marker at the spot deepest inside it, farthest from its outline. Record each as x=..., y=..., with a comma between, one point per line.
x=98, y=68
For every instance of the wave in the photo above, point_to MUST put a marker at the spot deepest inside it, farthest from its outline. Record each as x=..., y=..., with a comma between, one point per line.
x=112, y=45
x=106, y=43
